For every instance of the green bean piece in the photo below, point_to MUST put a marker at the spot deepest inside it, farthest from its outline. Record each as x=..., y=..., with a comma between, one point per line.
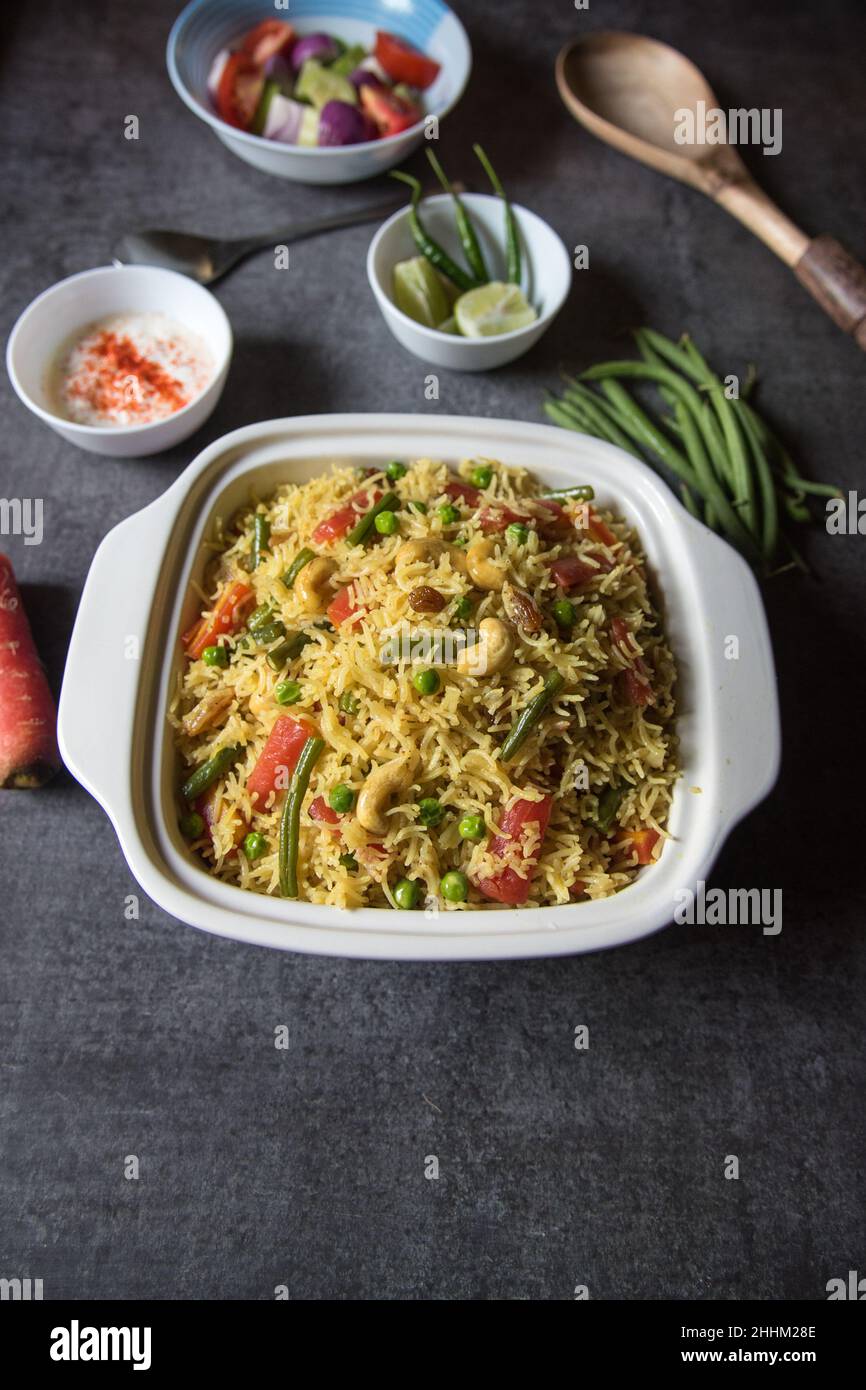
x=288, y=650
x=302, y=558
x=715, y=499
x=592, y=418
x=796, y=509
x=512, y=236
x=348, y=704
x=269, y=632
x=290, y=821
x=769, y=501
x=689, y=502
x=608, y=804
x=583, y=492
x=531, y=715
x=468, y=238
x=261, y=538
x=259, y=617
x=207, y=773
x=359, y=533
x=436, y=254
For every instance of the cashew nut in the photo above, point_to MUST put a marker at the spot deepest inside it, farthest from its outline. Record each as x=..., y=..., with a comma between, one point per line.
x=383, y=789
x=310, y=583
x=430, y=550
x=483, y=571
x=492, y=652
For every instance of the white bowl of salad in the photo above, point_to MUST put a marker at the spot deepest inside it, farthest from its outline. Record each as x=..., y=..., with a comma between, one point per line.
x=327, y=93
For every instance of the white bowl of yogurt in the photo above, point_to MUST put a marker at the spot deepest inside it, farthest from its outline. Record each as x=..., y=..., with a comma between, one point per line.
x=122, y=360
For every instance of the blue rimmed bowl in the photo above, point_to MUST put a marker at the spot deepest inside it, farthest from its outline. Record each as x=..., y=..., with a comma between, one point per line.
x=206, y=26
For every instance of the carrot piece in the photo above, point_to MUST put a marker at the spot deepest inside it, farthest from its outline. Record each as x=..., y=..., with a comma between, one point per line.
x=230, y=613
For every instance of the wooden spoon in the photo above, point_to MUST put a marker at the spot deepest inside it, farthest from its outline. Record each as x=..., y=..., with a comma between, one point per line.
x=626, y=89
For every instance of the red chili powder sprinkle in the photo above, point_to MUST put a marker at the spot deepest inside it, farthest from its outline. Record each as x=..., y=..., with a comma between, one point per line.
x=115, y=376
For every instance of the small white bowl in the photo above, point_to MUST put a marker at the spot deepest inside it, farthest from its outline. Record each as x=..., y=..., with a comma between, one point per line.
x=72, y=304
x=546, y=278
x=207, y=26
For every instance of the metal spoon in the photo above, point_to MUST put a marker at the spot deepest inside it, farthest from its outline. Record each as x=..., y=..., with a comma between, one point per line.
x=207, y=258
x=628, y=89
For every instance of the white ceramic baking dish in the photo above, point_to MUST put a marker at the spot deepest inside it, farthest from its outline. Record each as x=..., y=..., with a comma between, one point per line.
x=124, y=652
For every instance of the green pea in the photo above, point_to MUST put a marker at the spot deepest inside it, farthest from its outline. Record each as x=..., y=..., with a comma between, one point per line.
x=564, y=612
x=481, y=476
x=431, y=811
x=287, y=692
x=518, y=532
x=420, y=507
x=426, y=682
x=396, y=470
x=463, y=609
x=386, y=523
x=472, y=828
x=254, y=845
x=191, y=825
x=454, y=887
x=349, y=862
x=341, y=798
x=347, y=704
x=215, y=656
x=448, y=515
x=407, y=892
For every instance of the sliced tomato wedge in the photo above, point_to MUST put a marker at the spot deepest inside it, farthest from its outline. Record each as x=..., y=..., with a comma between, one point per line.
x=390, y=113
x=232, y=609
x=462, y=492
x=278, y=759
x=340, y=523
x=240, y=90
x=640, y=842
x=403, y=62
x=343, y=605
x=268, y=39
x=508, y=886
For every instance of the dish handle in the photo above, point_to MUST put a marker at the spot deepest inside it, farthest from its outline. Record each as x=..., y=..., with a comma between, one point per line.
x=742, y=668
x=96, y=716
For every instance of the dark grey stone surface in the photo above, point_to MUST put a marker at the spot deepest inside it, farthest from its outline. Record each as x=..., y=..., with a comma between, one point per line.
x=306, y=1167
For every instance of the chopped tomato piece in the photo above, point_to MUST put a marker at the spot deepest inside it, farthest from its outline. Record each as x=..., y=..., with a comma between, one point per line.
x=230, y=613
x=572, y=573
x=635, y=679
x=637, y=691
x=343, y=605
x=598, y=529
x=390, y=113
x=640, y=842
x=508, y=886
x=499, y=515
x=271, y=37
x=462, y=492
x=278, y=759
x=321, y=811
x=335, y=527
x=577, y=889
x=403, y=63
x=240, y=89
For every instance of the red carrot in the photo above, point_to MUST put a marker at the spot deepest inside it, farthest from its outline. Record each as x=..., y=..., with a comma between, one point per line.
x=28, y=718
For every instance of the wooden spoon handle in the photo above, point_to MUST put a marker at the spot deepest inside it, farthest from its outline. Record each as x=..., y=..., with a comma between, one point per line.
x=838, y=282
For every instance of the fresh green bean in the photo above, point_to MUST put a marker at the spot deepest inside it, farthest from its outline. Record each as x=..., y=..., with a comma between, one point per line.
x=360, y=532
x=608, y=804
x=468, y=238
x=269, y=632
x=287, y=651
x=531, y=715
x=769, y=501
x=715, y=498
x=606, y=419
x=436, y=254
x=290, y=821
x=689, y=502
x=572, y=417
x=302, y=558
x=207, y=773
x=512, y=236
x=261, y=537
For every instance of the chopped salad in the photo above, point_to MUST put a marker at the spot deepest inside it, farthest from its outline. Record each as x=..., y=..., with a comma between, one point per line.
x=315, y=90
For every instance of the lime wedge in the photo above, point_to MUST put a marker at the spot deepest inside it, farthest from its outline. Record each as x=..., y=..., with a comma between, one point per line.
x=492, y=309
x=449, y=326
x=419, y=292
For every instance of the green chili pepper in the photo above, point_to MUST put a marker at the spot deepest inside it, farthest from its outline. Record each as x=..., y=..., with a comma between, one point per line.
x=436, y=254
x=512, y=236
x=468, y=238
